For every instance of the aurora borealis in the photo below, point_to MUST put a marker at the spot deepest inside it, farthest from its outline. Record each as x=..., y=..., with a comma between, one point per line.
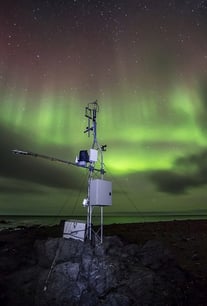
x=146, y=64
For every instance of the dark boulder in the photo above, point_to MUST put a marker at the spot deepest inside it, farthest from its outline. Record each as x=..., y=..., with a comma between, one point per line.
x=60, y=272
x=110, y=274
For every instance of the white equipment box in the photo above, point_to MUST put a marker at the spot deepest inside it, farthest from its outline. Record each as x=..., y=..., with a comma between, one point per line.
x=93, y=155
x=74, y=229
x=100, y=192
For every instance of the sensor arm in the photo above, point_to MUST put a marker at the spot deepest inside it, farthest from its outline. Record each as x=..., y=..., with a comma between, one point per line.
x=19, y=152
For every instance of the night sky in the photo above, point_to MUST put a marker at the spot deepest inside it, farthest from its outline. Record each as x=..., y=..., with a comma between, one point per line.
x=146, y=64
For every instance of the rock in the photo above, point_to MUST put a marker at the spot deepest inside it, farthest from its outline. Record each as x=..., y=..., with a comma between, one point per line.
x=72, y=272
x=113, y=246
x=70, y=250
x=116, y=299
x=58, y=249
x=46, y=251
x=89, y=298
x=103, y=275
x=113, y=274
x=62, y=288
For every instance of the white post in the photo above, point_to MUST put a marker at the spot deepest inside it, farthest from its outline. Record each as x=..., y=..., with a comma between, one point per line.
x=101, y=224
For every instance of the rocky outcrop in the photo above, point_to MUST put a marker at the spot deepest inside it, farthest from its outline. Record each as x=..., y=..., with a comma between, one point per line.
x=71, y=272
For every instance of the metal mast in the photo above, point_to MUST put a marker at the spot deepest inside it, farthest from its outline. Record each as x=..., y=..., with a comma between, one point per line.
x=91, y=114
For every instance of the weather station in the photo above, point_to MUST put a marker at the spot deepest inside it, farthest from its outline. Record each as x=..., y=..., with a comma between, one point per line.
x=99, y=190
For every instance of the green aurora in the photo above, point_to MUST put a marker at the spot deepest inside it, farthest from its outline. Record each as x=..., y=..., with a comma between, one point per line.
x=146, y=65
x=141, y=136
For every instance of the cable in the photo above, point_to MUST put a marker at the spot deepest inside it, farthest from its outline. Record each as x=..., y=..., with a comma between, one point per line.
x=80, y=191
x=124, y=192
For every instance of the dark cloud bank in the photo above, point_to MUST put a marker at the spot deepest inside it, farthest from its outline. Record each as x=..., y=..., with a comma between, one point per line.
x=188, y=172
x=31, y=169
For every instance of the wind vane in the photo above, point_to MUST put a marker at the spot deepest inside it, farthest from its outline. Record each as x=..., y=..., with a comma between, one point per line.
x=99, y=191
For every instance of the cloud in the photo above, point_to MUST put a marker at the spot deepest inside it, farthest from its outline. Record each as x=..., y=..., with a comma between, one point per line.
x=187, y=172
x=32, y=169
x=172, y=182
x=17, y=189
